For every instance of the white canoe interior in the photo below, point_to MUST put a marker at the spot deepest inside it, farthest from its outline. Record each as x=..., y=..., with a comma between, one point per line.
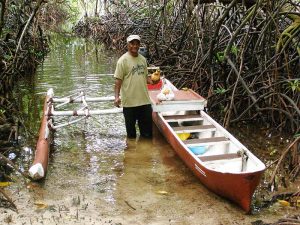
x=220, y=151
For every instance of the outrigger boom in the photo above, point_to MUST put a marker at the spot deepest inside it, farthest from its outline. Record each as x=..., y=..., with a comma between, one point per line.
x=85, y=112
x=87, y=99
x=39, y=167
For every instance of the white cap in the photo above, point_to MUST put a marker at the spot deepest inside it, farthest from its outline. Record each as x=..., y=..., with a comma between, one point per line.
x=133, y=37
x=36, y=171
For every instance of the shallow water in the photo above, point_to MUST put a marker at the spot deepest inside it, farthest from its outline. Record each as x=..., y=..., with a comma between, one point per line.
x=95, y=175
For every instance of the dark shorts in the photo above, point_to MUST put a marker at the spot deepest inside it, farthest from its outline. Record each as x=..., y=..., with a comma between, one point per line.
x=143, y=116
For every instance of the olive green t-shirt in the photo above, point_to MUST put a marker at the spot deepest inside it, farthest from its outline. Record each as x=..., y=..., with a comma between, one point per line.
x=133, y=73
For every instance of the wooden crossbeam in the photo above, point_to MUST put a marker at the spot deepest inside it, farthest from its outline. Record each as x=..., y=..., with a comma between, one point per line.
x=219, y=157
x=198, y=128
x=78, y=100
x=205, y=141
x=85, y=112
x=181, y=118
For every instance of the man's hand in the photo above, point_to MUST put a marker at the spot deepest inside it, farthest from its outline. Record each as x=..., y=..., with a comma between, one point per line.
x=118, y=84
x=117, y=102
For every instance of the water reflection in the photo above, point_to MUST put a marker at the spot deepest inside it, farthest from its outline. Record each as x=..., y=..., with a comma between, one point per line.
x=75, y=64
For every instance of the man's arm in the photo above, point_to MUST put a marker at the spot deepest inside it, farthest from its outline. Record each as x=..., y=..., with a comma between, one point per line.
x=118, y=84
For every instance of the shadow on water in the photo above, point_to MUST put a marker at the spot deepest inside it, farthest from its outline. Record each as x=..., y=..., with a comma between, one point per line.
x=96, y=176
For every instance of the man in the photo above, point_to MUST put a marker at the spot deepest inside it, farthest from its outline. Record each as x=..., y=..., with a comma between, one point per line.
x=131, y=78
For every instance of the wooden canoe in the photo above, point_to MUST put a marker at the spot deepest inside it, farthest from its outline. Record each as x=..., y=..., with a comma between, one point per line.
x=218, y=159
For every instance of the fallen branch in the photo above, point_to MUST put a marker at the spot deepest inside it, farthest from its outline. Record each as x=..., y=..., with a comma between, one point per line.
x=281, y=159
x=127, y=203
x=2, y=157
x=8, y=198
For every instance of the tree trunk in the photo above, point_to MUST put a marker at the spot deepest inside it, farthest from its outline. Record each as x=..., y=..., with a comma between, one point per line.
x=248, y=3
x=105, y=6
x=127, y=3
x=3, y=7
x=84, y=8
x=38, y=4
x=96, y=9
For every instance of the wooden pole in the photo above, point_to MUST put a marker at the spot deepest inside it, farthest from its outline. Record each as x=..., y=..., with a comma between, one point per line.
x=87, y=99
x=85, y=112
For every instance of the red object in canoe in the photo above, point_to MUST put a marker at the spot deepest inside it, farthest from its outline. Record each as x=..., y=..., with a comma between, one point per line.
x=155, y=86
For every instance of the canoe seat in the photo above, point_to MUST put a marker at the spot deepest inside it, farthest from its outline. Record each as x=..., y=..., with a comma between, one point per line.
x=176, y=118
x=198, y=128
x=219, y=157
x=207, y=141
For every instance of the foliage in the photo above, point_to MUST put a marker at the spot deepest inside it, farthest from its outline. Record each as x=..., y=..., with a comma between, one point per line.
x=57, y=15
x=14, y=62
x=220, y=91
x=251, y=51
x=22, y=47
x=294, y=86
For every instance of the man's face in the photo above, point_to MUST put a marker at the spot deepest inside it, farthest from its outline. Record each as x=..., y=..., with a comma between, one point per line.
x=133, y=47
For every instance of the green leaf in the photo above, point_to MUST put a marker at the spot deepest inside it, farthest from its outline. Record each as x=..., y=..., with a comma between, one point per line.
x=220, y=91
x=234, y=50
x=220, y=56
x=294, y=85
x=7, y=57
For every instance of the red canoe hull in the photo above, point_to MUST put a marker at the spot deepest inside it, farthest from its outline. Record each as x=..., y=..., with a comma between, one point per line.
x=238, y=188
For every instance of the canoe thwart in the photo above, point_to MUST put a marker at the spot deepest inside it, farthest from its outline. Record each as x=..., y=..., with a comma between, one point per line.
x=205, y=140
x=198, y=128
x=219, y=157
x=183, y=118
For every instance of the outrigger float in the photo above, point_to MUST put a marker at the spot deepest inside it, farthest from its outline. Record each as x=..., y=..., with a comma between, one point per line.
x=39, y=166
x=217, y=158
